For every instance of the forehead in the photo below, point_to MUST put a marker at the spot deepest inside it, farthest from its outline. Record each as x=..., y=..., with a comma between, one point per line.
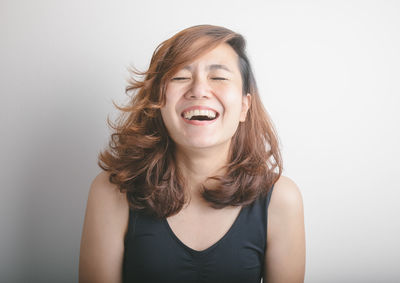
x=211, y=67
x=222, y=57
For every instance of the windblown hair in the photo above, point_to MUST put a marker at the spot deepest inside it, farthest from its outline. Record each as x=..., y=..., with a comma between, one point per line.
x=140, y=156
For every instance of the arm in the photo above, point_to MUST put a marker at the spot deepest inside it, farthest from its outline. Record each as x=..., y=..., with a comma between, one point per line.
x=104, y=228
x=285, y=255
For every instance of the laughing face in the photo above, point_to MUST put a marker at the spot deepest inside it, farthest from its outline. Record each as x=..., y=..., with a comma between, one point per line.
x=204, y=101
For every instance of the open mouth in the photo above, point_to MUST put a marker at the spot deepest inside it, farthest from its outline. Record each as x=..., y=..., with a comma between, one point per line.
x=200, y=115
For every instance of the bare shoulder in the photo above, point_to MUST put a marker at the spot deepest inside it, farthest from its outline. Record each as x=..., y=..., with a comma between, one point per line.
x=103, y=232
x=106, y=203
x=285, y=256
x=102, y=190
x=286, y=197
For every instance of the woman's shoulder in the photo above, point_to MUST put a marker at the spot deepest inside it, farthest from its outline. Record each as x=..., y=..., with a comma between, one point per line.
x=286, y=195
x=101, y=188
x=285, y=257
x=106, y=199
x=285, y=208
x=103, y=232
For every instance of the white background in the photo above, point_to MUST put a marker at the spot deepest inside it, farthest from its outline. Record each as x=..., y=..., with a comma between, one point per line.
x=328, y=73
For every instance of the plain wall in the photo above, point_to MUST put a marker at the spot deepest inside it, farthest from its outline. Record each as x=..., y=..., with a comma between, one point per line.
x=328, y=73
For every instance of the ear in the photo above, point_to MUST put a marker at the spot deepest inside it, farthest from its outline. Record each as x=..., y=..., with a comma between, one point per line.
x=246, y=100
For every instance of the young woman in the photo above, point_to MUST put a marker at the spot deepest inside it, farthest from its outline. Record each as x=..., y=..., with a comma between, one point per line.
x=192, y=176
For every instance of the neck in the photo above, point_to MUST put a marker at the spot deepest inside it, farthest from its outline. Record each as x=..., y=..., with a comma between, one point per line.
x=196, y=165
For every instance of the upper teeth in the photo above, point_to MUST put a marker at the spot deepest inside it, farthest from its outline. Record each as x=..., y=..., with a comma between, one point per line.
x=199, y=112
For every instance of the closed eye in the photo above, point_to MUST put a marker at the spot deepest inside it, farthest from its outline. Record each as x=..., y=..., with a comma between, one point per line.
x=183, y=78
x=179, y=78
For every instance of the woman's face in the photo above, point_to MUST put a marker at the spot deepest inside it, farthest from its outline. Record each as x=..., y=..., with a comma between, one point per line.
x=204, y=101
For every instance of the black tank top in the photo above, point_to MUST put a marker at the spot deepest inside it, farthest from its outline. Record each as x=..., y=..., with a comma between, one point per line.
x=153, y=253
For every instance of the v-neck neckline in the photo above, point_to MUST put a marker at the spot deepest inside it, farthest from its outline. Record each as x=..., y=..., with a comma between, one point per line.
x=199, y=252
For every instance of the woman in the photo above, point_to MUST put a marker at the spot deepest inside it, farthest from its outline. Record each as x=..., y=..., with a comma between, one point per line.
x=189, y=182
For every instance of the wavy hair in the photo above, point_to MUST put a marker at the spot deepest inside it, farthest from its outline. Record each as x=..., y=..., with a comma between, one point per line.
x=140, y=154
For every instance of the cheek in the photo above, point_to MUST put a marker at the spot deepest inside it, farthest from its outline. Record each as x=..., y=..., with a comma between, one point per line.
x=172, y=91
x=170, y=101
x=171, y=98
x=168, y=112
x=232, y=102
x=167, y=120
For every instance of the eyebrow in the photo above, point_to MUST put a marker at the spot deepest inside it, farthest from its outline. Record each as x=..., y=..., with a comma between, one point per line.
x=211, y=67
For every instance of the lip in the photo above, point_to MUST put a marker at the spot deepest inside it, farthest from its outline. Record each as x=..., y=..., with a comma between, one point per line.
x=197, y=122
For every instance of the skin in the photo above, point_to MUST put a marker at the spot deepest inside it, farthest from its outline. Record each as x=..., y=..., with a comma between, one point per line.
x=201, y=152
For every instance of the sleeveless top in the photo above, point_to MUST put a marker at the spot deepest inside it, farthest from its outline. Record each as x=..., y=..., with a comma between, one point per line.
x=153, y=253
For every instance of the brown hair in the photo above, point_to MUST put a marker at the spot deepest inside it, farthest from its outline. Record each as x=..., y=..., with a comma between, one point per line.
x=140, y=155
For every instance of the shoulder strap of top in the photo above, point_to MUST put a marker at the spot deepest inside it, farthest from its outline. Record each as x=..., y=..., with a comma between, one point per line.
x=131, y=224
x=269, y=195
x=267, y=205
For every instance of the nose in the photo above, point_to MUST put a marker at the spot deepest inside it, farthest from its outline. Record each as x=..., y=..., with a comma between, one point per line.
x=199, y=89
